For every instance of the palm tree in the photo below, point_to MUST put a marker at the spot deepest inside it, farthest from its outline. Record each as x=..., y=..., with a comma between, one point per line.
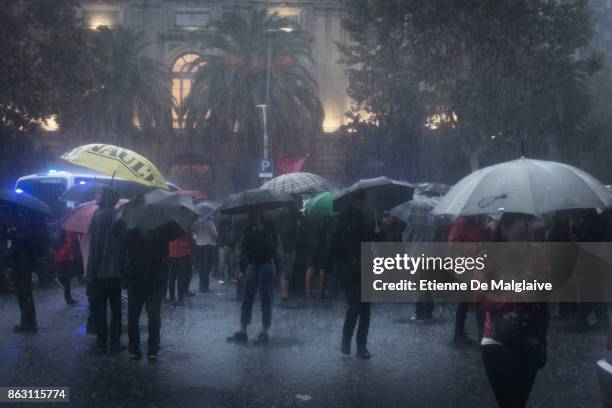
x=231, y=82
x=127, y=90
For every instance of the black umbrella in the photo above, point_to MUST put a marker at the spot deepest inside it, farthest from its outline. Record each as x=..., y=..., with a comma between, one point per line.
x=266, y=199
x=25, y=200
x=160, y=211
x=82, y=193
x=382, y=193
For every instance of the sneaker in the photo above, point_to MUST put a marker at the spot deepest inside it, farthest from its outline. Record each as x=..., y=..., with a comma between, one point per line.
x=238, y=337
x=262, y=339
x=362, y=352
x=71, y=302
x=345, y=346
x=135, y=355
x=152, y=354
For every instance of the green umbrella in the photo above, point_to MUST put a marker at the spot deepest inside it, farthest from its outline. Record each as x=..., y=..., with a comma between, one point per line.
x=322, y=203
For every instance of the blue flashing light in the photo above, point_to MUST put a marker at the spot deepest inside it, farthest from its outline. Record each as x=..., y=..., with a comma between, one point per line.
x=82, y=182
x=52, y=171
x=18, y=190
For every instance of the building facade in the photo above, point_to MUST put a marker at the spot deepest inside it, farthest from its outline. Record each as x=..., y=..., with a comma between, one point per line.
x=176, y=30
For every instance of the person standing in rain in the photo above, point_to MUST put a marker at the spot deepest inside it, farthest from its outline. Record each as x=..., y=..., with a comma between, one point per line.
x=179, y=267
x=104, y=269
x=205, y=239
x=352, y=229
x=514, y=340
x=259, y=247
x=464, y=232
x=68, y=259
x=146, y=270
x=27, y=236
x=288, y=223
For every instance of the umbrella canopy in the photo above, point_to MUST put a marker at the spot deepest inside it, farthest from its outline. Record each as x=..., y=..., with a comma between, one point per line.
x=524, y=186
x=80, y=218
x=417, y=210
x=382, y=193
x=82, y=193
x=25, y=200
x=432, y=189
x=169, y=212
x=321, y=204
x=205, y=210
x=297, y=183
x=118, y=162
x=267, y=199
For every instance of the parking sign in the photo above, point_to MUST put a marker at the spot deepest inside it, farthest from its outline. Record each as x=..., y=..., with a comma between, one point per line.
x=266, y=168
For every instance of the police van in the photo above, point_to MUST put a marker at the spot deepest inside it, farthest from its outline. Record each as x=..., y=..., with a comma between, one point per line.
x=49, y=186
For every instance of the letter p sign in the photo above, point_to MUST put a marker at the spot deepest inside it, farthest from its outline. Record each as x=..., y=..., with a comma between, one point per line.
x=266, y=168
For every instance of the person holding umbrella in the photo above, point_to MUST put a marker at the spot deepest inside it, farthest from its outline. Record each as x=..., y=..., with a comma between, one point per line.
x=352, y=229
x=104, y=268
x=259, y=248
x=27, y=234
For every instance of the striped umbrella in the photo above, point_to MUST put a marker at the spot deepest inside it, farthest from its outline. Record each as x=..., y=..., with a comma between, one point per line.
x=297, y=183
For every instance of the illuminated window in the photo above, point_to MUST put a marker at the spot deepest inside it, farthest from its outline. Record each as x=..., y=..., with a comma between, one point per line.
x=182, y=77
x=291, y=13
x=99, y=18
x=191, y=19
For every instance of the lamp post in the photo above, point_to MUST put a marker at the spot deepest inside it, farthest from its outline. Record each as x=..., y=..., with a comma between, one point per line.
x=269, y=33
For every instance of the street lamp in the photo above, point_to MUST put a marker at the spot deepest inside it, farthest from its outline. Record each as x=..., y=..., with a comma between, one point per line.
x=269, y=33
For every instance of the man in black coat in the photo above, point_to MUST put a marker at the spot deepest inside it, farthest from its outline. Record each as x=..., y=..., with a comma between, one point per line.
x=147, y=272
x=260, y=249
x=104, y=269
x=27, y=234
x=352, y=229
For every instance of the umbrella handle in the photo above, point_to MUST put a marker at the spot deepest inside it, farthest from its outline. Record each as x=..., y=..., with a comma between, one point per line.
x=113, y=178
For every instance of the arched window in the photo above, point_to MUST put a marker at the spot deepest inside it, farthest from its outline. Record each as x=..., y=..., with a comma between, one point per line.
x=182, y=77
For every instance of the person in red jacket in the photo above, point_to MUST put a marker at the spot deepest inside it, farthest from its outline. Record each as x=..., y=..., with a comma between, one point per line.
x=464, y=232
x=68, y=258
x=179, y=266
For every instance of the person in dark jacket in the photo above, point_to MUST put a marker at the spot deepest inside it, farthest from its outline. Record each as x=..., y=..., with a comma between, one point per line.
x=259, y=244
x=514, y=339
x=352, y=229
x=27, y=235
x=146, y=271
x=104, y=268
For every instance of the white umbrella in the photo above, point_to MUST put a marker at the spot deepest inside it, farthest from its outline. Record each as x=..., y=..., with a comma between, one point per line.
x=524, y=186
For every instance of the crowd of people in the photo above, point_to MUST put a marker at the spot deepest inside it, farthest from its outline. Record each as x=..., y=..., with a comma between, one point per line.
x=290, y=248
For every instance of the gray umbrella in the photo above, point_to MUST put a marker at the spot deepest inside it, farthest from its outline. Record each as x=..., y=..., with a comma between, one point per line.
x=297, y=183
x=524, y=186
x=161, y=210
x=25, y=200
x=266, y=199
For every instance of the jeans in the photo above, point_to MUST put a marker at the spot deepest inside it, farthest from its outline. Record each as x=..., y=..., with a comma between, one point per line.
x=152, y=301
x=178, y=280
x=23, y=287
x=107, y=291
x=510, y=374
x=357, y=310
x=205, y=258
x=262, y=277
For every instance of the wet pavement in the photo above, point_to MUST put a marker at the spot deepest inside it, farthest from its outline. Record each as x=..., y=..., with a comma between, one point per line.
x=413, y=364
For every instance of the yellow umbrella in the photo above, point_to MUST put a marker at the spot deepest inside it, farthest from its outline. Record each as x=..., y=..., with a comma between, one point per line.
x=117, y=162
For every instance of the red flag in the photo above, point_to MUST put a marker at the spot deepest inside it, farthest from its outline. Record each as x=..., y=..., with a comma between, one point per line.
x=285, y=165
